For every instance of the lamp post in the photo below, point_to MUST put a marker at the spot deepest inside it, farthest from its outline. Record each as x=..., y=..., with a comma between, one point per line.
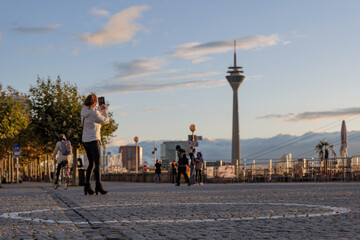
x=193, y=129
x=136, y=139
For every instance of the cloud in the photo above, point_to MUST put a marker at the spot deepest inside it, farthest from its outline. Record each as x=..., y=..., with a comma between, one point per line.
x=123, y=114
x=120, y=28
x=117, y=141
x=34, y=30
x=312, y=116
x=158, y=87
x=0, y=36
x=99, y=12
x=151, y=110
x=196, y=52
x=142, y=67
x=43, y=49
x=115, y=107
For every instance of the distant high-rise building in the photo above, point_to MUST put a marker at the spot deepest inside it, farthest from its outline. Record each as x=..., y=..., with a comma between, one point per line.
x=168, y=151
x=128, y=156
x=235, y=79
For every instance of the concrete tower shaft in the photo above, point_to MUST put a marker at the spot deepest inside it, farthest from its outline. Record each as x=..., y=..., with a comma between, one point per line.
x=235, y=79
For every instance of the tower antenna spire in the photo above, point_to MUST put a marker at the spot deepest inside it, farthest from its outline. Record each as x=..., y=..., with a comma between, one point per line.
x=235, y=54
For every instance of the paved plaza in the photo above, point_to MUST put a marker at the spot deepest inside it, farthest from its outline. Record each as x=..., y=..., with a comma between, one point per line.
x=163, y=211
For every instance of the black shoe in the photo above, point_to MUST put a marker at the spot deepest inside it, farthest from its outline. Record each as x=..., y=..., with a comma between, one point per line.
x=177, y=185
x=99, y=189
x=88, y=189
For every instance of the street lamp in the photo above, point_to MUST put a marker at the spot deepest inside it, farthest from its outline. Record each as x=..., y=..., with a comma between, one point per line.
x=136, y=139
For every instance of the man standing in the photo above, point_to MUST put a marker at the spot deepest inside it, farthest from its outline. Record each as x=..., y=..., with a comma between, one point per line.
x=157, y=171
x=183, y=164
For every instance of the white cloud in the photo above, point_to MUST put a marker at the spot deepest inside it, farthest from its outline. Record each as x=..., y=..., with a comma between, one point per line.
x=120, y=28
x=99, y=12
x=151, y=110
x=117, y=141
x=312, y=116
x=196, y=52
x=123, y=114
x=32, y=30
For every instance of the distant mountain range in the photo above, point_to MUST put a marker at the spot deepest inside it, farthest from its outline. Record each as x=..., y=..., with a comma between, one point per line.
x=263, y=148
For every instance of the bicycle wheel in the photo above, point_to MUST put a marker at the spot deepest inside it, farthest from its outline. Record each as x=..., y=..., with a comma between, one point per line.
x=65, y=179
x=55, y=185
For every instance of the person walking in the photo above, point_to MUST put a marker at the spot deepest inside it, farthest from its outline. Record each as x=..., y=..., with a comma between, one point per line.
x=173, y=171
x=64, y=152
x=183, y=163
x=92, y=119
x=198, y=167
x=192, y=167
x=157, y=171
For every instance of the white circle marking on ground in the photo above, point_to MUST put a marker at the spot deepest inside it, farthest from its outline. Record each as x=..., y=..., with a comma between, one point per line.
x=331, y=211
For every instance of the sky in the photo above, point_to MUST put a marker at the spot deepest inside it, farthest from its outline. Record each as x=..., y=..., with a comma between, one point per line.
x=161, y=65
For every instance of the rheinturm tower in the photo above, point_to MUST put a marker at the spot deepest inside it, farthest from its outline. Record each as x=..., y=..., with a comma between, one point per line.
x=235, y=79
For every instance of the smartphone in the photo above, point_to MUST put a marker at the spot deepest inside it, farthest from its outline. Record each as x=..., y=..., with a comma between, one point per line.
x=101, y=101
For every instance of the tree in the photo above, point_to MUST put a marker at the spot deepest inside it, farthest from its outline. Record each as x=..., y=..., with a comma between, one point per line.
x=14, y=117
x=14, y=113
x=56, y=108
x=323, y=148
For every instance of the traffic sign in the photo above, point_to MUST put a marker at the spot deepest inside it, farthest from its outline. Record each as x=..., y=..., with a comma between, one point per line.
x=17, y=148
x=193, y=144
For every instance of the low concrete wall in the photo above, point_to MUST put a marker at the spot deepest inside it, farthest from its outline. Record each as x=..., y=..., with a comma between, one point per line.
x=135, y=177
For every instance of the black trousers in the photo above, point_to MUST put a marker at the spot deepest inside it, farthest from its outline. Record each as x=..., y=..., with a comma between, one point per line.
x=173, y=177
x=93, y=152
x=60, y=165
x=198, y=176
x=182, y=170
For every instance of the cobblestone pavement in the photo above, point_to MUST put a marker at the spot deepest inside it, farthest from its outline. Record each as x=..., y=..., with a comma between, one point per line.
x=163, y=211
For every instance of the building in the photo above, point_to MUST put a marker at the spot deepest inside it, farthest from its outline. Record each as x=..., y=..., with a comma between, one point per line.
x=168, y=151
x=129, y=156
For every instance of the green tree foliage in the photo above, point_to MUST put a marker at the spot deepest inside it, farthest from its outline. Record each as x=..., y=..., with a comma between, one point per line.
x=14, y=117
x=55, y=109
x=107, y=130
x=14, y=114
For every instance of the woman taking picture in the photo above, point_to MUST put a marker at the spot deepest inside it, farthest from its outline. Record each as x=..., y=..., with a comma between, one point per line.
x=91, y=121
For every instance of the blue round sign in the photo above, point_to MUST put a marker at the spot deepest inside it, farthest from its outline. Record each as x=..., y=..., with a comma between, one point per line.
x=17, y=148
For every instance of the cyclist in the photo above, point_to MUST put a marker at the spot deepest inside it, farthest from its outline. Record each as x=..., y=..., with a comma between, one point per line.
x=63, y=147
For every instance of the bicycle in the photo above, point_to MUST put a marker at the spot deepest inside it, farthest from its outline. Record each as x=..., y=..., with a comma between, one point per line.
x=64, y=177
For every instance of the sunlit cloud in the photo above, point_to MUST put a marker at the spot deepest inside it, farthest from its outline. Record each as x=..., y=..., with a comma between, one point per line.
x=313, y=116
x=75, y=52
x=34, y=30
x=115, y=107
x=120, y=28
x=197, y=52
x=99, y=12
x=151, y=110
